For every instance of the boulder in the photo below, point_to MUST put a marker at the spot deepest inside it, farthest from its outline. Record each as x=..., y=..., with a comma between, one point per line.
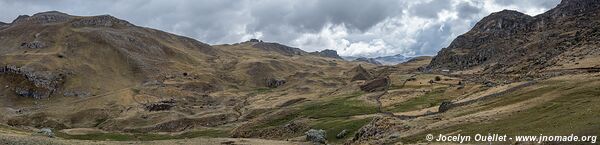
x=316, y=136
x=46, y=132
x=378, y=84
x=445, y=106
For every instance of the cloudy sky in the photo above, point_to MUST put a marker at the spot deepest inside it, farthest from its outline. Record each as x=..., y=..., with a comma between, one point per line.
x=352, y=27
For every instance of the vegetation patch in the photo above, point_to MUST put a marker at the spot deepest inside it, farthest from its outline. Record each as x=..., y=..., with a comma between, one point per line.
x=430, y=99
x=574, y=112
x=341, y=106
x=145, y=136
x=333, y=126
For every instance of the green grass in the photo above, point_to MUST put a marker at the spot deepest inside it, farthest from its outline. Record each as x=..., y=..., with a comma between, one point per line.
x=144, y=136
x=575, y=111
x=511, y=98
x=340, y=106
x=430, y=99
x=263, y=90
x=333, y=126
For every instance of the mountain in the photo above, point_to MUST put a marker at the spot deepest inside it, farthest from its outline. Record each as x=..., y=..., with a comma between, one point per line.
x=368, y=60
x=382, y=60
x=63, y=72
x=510, y=42
x=393, y=59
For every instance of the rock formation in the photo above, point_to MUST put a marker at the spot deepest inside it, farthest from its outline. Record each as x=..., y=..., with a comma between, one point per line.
x=274, y=83
x=378, y=84
x=358, y=73
x=327, y=53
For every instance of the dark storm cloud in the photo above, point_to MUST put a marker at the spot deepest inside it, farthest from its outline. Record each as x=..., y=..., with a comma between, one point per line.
x=353, y=27
x=430, y=9
x=529, y=3
x=467, y=10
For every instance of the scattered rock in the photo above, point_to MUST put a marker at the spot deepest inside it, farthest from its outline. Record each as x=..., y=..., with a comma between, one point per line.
x=46, y=132
x=160, y=106
x=489, y=84
x=274, y=83
x=317, y=137
x=445, y=106
x=379, y=84
x=34, y=44
x=103, y=21
x=32, y=83
x=342, y=134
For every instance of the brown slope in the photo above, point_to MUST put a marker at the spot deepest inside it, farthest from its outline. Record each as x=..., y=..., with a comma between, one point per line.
x=512, y=42
x=105, y=73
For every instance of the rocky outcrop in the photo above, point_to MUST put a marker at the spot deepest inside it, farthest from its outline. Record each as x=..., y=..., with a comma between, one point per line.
x=34, y=44
x=100, y=21
x=368, y=60
x=315, y=136
x=376, y=132
x=378, y=84
x=161, y=105
x=327, y=53
x=274, y=83
x=358, y=73
x=29, y=83
x=445, y=106
x=43, y=18
x=513, y=42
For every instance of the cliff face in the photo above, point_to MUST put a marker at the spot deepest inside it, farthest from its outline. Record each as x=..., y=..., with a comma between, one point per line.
x=512, y=42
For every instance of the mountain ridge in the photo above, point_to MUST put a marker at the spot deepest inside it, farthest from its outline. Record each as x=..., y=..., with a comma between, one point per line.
x=515, y=43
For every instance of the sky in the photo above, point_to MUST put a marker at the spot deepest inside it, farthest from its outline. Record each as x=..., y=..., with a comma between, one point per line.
x=367, y=28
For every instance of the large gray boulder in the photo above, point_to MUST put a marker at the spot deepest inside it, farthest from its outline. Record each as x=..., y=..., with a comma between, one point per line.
x=316, y=136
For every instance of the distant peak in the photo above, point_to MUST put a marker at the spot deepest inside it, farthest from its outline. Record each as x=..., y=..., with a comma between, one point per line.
x=508, y=21
x=508, y=13
x=51, y=13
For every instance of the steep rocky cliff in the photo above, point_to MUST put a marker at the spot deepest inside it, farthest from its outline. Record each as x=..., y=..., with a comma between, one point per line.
x=510, y=42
